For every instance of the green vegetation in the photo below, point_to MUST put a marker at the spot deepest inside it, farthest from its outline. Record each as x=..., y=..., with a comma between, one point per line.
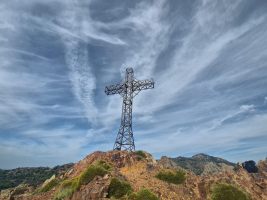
x=68, y=187
x=177, y=177
x=143, y=194
x=32, y=176
x=64, y=193
x=227, y=192
x=140, y=155
x=48, y=186
x=104, y=164
x=122, y=190
x=91, y=172
x=118, y=188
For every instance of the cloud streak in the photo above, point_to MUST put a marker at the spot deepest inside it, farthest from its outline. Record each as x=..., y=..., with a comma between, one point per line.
x=208, y=59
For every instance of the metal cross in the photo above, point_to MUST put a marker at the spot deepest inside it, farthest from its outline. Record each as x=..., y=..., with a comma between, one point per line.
x=128, y=90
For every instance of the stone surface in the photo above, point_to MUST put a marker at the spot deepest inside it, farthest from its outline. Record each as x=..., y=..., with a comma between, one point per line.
x=96, y=189
x=200, y=164
x=52, y=178
x=16, y=193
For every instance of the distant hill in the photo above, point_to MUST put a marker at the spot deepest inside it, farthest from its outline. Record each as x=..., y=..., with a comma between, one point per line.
x=29, y=175
x=199, y=163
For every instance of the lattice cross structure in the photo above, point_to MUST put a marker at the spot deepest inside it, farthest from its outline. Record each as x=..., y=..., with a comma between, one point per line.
x=128, y=89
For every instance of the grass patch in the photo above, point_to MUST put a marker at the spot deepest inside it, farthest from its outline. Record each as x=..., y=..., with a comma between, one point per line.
x=68, y=187
x=53, y=183
x=224, y=191
x=143, y=194
x=118, y=188
x=177, y=177
x=64, y=193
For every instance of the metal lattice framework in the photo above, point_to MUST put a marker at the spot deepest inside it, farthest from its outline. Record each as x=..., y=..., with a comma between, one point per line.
x=128, y=90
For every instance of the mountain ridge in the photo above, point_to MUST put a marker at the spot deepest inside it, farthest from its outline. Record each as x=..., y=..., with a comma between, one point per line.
x=198, y=162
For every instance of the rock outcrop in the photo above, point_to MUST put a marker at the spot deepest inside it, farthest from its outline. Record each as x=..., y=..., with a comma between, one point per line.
x=250, y=166
x=200, y=164
x=22, y=191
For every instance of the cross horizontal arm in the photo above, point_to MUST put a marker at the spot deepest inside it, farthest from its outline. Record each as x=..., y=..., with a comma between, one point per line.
x=143, y=85
x=115, y=89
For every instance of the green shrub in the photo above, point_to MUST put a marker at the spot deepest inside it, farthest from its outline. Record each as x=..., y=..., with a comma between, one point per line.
x=91, y=172
x=143, y=194
x=118, y=188
x=104, y=164
x=176, y=177
x=49, y=186
x=140, y=154
x=64, y=193
x=227, y=192
x=67, y=188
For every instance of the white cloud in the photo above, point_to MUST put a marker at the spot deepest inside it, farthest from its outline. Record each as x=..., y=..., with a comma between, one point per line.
x=228, y=137
x=247, y=108
x=153, y=36
x=198, y=51
x=214, y=66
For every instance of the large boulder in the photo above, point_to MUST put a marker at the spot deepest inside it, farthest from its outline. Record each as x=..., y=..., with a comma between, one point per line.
x=250, y=166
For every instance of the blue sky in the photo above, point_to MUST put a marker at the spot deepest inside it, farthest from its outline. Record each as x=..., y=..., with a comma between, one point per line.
x=208, y=59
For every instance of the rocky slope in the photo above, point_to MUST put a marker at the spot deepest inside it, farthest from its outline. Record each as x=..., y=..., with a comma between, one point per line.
x=140, y=171
x=200, y=164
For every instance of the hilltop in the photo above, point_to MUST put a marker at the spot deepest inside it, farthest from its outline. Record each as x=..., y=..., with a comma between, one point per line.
x=137, y=176
x=200, y=164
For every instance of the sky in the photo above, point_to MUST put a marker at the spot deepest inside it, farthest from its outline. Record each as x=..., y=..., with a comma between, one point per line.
x=208, y=59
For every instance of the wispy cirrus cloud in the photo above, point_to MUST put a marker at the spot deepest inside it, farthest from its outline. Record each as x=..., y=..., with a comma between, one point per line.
x=207, y=58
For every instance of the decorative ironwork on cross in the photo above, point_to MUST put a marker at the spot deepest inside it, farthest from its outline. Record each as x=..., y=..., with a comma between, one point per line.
x=128, y=90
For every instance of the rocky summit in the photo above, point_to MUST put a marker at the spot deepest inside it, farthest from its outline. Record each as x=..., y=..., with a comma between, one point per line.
x=138, y=176
x=200, y=164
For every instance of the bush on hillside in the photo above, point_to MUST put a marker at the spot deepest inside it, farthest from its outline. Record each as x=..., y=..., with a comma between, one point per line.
x=140, y=154
x=118, y=188
x=177, y=177
x=91, y=172
x=225, y=191
x=143, y=194
x=104, y=164
x=68, y=187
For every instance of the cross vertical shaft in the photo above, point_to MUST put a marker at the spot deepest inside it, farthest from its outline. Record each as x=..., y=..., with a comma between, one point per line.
x=128, y=90
x=125, y=135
